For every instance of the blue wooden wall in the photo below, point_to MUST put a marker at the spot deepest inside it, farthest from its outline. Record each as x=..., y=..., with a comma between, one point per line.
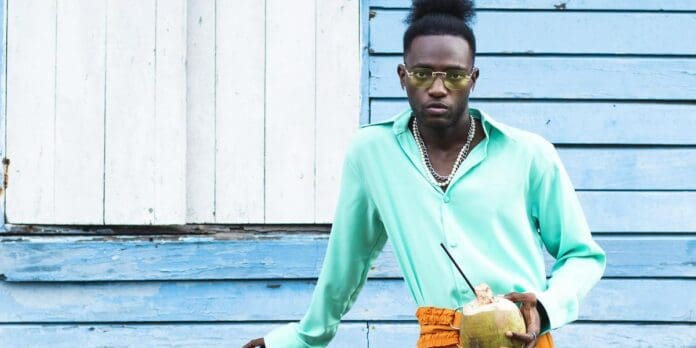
x=612, y=84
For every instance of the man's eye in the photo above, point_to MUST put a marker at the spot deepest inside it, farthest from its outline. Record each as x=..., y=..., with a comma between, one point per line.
x=455, y=76
x=421, y=75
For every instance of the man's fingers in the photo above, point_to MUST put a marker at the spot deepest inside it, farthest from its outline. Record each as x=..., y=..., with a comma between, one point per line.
x=525, y=298
x=259, y=342
x=522, y=337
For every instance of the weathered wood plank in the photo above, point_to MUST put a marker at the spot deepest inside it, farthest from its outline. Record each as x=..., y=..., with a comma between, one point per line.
x=130, y=110
x=337, y=99
x=573, y=78
x=643, y=5
x=79, y=143
x=573, y=335
x=239, y=112
x=3, y=99
x=563, y=32
x=581, y=122
x=283, y=257
x=611, y=299
x=169, y=151
x=349, y=335
x=640, y=211
x=631, y=169
x=200, y=106
x=145, y=160
x=31, y=59
x=290, y=111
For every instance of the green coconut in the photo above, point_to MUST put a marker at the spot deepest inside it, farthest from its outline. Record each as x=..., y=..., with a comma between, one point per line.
x=486, y=319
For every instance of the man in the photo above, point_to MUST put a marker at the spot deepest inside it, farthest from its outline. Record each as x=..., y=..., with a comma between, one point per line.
x=442, y=172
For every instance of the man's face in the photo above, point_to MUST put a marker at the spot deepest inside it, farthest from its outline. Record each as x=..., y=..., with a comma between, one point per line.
x=436, y=105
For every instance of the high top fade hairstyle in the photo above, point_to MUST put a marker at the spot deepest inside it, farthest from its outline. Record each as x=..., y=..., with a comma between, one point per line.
x=440, y=17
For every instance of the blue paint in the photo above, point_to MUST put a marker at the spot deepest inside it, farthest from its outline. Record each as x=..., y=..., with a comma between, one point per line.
x=524, y=32
x=590, y=122
x=671, y=300
x=575, y=335
x=50, y=260
x=562, y=78
x=364, y=58
x=349, y=335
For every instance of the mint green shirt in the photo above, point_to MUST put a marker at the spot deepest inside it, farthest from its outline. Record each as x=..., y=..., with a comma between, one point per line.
x=509, y=198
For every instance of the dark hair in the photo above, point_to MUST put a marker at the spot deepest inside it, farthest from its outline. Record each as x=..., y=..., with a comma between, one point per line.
x=440, y=17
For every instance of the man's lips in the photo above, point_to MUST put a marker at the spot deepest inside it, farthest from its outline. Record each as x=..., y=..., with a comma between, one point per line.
x=436, y=108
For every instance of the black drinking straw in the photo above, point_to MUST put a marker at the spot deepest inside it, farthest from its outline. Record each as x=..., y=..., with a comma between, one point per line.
x=459, y=269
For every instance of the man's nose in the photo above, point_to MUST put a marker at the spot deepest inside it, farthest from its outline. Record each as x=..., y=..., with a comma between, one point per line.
x=438, y=87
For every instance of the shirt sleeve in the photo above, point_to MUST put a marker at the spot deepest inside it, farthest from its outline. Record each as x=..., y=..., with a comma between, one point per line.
x=356, y=239
x=580, y=262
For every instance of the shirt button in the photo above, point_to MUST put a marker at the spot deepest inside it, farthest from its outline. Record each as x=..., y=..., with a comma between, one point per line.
x=446, y=199
x=453, y=245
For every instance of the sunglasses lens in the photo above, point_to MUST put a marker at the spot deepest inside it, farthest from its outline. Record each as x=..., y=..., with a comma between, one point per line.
x=457, y=84
x=457, y=79
x=421, y=77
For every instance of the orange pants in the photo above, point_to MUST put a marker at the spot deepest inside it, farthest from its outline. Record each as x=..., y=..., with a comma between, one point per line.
x=439, y=328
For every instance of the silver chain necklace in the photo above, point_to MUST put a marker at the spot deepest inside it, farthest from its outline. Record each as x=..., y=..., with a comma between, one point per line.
x=441, y=180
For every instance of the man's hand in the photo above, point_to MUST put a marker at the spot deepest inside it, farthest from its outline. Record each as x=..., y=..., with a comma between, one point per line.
x=259, y=342
x=531, y=318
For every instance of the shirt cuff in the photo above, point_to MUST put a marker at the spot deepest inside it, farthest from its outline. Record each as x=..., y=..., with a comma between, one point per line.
x=284, y=337
x=545, y=324
x=559, y=309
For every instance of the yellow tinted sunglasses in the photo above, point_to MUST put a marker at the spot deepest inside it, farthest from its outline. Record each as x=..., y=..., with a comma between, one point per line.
x=424, y=77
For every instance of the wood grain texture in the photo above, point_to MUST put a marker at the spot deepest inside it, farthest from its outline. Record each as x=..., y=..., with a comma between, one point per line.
x=169, y=150
x=581, y=122
x=562, y=78
x=240, y=66
x=145, y=150
x=200, y=106
x=640, y=211
x=79, y=115
x=130, y=170
x=30, y=119
x=3, y=99
x=290, y=111
x=349, y=335
x=563, y=32
x=573, y=335
x=279, y=300
x=51, y=259
x=337, y=97
x=644, y=5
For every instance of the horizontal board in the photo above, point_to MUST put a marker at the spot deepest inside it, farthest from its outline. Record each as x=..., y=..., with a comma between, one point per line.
x=581, y=122
x=285, y=257
x=563, y=32
x=349, y=335
x=611, y=299
x=562, y=78
x=631, y=169
x=640, y=211
x=645, y=5
x=574, y=335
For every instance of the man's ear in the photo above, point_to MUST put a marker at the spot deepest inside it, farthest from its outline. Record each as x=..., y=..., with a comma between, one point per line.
x=474, y=78
x=402, y=73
